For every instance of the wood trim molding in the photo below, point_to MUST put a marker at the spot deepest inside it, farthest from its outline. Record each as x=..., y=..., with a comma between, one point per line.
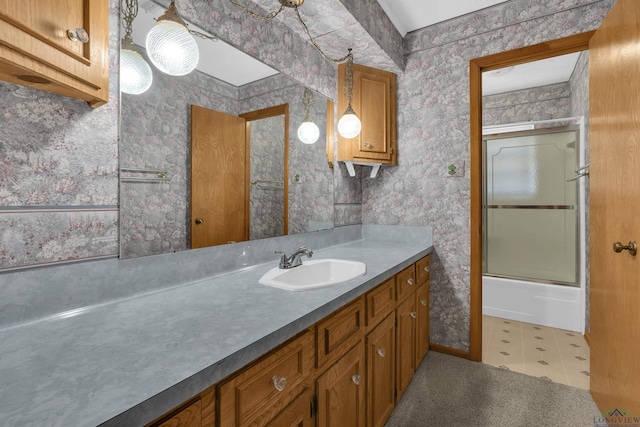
x=536, y=52
x=587, y=337
x=450, y=351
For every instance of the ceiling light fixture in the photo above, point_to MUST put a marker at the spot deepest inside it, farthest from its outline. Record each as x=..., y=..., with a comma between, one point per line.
x=171, y=46
x=308, y=132
x=351, y=124
x=135, y=74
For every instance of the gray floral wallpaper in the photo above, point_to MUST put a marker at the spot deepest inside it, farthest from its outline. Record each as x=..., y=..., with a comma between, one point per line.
x=58, y=173
x=433, y=131
x=267, y=171
x=538, y=103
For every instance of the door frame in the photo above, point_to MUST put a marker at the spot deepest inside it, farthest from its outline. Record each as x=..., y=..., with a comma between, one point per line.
x=562, y=46
x=265, y=113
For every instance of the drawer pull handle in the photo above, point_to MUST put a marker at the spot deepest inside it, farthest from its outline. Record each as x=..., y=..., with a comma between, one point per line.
x=78, y=35
x=279, y=382
x=413, y=314
x=381, y=352
x=426, y=268
x=423, y=302
x=410, y=281
x=355, y=379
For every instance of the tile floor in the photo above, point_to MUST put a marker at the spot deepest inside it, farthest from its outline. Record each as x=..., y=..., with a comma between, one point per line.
x=552, y=354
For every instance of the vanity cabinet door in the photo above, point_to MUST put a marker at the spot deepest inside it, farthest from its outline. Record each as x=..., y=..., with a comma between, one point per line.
x=422, y=322
x=297, y=414
x=423, y=270
x=406, y=316
x=36, y=51
x=374, y=101
x=380, y=348
x=197, y=412
x=340, y=392
x=259, y=393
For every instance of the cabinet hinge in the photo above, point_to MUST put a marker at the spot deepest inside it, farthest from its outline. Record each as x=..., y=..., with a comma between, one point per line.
x=314, y=406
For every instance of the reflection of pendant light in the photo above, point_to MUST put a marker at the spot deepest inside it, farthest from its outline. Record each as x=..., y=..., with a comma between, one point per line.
x=135, y=73
x=349, y=125
x=308, y=131
x=170, y=46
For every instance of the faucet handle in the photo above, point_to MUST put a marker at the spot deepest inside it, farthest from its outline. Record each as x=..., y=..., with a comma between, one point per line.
x=284, y=261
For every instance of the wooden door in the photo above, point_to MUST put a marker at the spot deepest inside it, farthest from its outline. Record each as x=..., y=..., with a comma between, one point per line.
x=405, y=344
x=615, y=209
x=341, y=392
x=380, y=372
x=219, y=208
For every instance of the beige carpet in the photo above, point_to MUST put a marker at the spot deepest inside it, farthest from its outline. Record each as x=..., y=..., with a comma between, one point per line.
x=449, y=391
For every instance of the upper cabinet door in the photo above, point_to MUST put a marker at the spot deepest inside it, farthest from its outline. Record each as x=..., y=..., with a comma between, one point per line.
x=374, y=101
x=36, y=50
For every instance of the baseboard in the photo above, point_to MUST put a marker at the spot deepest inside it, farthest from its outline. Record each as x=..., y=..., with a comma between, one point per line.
x=587, y=337
x=450, y=351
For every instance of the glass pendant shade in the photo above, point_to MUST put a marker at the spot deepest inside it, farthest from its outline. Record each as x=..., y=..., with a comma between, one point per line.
x=172, y=49
x=308, y=132
x=135, y=74
x=349, y=125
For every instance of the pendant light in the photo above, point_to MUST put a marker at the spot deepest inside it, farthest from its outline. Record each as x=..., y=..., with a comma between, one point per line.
x=170, y=45
x=349, y=125
x=135, y=74
x=308, y=131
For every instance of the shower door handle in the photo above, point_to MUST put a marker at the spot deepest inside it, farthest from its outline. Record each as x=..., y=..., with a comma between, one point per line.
x=632, y=247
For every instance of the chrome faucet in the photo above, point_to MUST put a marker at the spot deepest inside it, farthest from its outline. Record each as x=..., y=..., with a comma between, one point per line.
x=295, y=259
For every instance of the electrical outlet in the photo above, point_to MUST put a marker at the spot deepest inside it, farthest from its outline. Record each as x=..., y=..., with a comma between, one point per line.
x=455, y=170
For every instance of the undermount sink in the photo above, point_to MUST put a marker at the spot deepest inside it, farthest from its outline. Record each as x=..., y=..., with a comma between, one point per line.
x=314, y=274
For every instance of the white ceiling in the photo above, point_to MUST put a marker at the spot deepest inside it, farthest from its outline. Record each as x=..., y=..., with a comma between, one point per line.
x=410, y=15
x=532, y=74
x=228, y=64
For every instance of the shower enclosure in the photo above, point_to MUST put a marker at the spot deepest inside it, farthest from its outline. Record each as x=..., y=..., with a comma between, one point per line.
x=531, y=209
x=532, y=243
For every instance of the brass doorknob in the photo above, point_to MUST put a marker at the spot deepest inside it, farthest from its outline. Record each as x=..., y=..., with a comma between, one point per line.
x=199, y=221
x=632, y=247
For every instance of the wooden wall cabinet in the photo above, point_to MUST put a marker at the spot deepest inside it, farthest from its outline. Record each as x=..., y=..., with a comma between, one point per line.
x=374, y=101
x=35, y=50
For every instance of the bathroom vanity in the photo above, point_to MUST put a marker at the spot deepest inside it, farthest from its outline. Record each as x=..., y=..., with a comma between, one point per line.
x=226, y=344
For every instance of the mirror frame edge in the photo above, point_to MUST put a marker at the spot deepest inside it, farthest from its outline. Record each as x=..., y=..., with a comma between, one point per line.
x=477, y=66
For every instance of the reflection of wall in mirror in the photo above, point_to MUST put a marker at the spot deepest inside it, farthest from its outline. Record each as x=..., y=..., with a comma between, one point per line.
x=154, y=217
x=266, y=199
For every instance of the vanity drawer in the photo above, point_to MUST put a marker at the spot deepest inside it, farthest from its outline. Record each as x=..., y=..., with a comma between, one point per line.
x=336, y=334
x=423, y=270
x=381, y=301
x=406, y=282
x=260, y=392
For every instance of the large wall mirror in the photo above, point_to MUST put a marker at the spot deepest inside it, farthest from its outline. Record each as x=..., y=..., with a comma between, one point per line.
x=155, y=148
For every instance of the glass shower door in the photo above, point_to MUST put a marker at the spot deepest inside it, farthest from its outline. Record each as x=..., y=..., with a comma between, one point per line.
x=531, y=211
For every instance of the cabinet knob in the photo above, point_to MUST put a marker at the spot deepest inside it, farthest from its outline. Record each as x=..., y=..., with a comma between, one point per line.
x=423, y=302
x=356, y=379
x=381, y=352
x=78, y=35
x=426, y=268
x=413, y=314
x=410, y=281
x=367, y=144
x=279, y=383
x=199, y=221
